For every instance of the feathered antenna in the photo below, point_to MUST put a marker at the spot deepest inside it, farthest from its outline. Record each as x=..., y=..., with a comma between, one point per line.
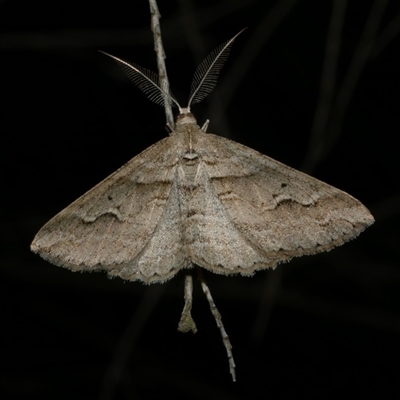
x=206, y=74
x=204, y=79
x=145, y=80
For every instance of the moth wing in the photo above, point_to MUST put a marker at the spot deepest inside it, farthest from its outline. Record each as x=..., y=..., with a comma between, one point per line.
x=114, y=225
x=282, y=212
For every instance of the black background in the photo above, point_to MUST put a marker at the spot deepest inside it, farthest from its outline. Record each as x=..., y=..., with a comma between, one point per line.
x=326, y=326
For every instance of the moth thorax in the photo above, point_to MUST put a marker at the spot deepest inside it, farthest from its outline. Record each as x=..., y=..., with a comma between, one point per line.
x=185, y=117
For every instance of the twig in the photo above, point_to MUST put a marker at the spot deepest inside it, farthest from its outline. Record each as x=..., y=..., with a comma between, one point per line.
x=162, y=69
x=218, y=320
x=186, y=322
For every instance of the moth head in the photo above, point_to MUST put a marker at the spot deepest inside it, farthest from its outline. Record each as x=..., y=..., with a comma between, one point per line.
x=185, y=117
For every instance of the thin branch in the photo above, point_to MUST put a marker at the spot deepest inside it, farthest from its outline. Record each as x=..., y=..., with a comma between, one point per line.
x=186, y=322
x=218, y=320
x=162, y=69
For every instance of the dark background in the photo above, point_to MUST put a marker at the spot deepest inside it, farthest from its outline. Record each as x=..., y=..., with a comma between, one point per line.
x=325, y=326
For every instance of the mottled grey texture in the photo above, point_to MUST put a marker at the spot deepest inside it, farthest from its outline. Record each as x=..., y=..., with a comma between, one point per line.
x=197, y=198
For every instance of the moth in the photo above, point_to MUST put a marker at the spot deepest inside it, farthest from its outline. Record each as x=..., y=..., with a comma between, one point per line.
x=197, y=199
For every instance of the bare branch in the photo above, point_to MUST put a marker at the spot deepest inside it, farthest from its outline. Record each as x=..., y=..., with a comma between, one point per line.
x=186, y=322
x=162, y=69
x=218, y=320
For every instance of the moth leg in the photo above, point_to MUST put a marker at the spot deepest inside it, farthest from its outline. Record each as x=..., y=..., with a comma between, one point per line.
x=169, y=128
x=205, y=126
